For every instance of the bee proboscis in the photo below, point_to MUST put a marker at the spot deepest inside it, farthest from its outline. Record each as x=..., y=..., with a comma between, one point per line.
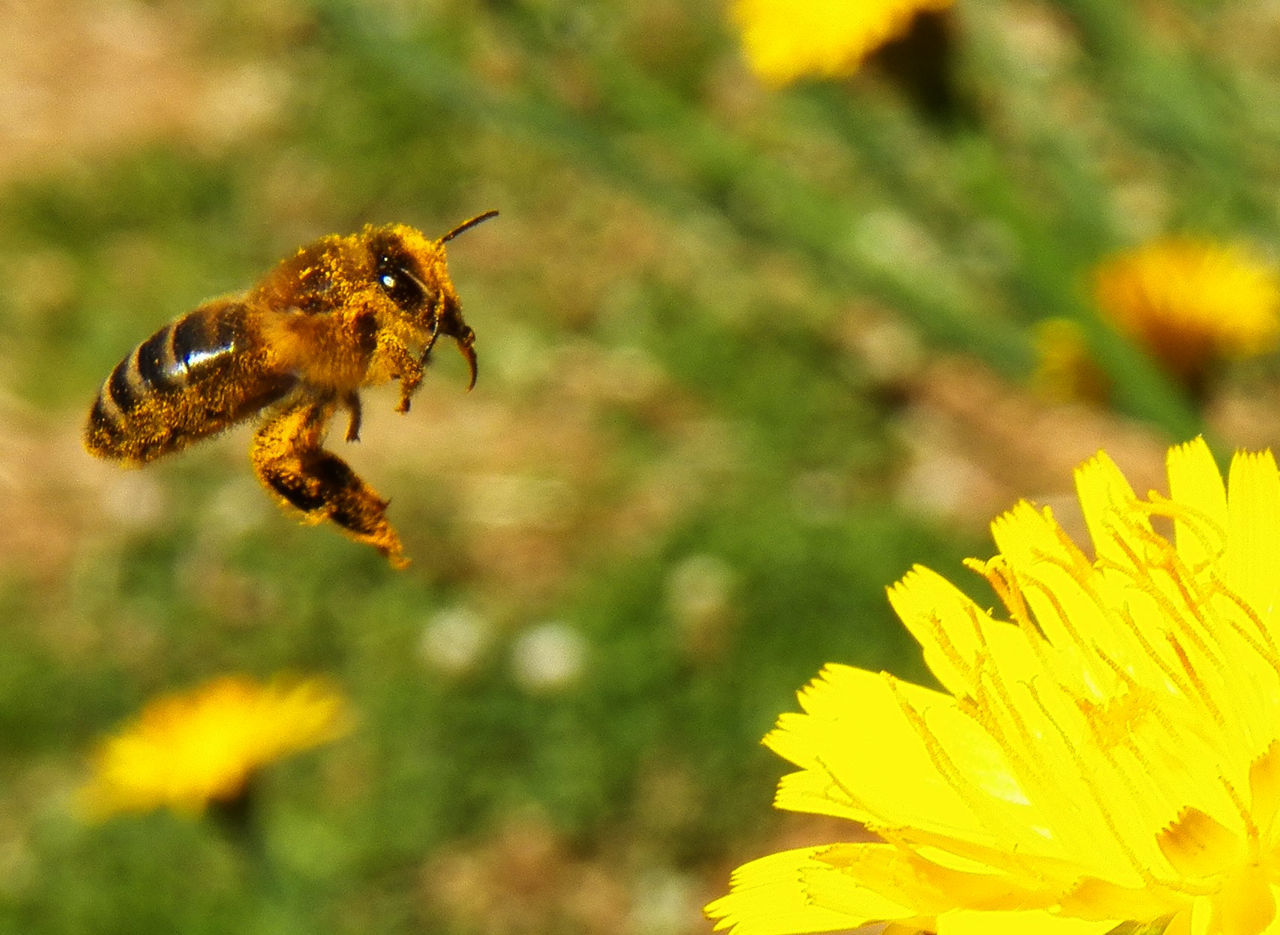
x=340, y=314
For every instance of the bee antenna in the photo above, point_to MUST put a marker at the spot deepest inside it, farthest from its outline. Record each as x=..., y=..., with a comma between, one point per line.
x=467, y=225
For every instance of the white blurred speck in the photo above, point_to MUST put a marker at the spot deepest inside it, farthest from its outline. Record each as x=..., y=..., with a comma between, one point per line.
x=548, y=657
x=242, y=99
x=236, y=508
x=699, y=590
x=665, y=901
x=940, y=485
x=454, y=639
x=133, y=499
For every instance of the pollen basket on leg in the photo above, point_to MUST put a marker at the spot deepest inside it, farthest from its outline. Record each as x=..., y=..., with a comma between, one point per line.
x=289, y=460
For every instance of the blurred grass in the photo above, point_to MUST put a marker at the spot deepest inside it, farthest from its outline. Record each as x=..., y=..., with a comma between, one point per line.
x=676, y=454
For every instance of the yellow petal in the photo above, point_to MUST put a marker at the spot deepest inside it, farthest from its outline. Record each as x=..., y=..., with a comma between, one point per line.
x=771, y=896
x=1264, y=788
x=908, y=878
x=958, y=637
x=1105, y=496
x=1037, y=922
x=1197, y=845
x=911, y=733
x=1254, y=530
x=1195, y=484
x=1246, y=905
x=1091, y=898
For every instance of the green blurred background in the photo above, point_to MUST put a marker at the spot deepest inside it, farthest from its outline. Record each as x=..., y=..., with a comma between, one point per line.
x=746, y=355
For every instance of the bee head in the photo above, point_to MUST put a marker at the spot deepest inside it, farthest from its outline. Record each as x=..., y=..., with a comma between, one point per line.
x=412, y=272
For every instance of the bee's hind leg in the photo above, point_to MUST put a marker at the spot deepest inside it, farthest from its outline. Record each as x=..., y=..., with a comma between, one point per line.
x=289, y=460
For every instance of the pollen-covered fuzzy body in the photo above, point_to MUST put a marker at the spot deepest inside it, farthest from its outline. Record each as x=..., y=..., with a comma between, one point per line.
x=340, y=314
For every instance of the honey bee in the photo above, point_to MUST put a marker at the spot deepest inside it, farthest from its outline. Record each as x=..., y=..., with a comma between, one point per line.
x=340, y=314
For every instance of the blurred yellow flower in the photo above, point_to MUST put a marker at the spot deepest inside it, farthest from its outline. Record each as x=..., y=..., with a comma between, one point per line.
x=1109, y=759
x=187, y=750
x=825, y=38
x=1190, y=302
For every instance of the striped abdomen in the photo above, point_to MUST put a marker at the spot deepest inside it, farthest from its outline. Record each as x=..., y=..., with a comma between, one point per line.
x=193, y=378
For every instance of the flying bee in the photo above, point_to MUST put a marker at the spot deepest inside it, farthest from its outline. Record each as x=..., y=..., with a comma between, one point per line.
x=340, y=314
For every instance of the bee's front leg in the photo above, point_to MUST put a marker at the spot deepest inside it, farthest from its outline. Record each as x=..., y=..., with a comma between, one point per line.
x=352, y=403
x=409, y=383
x=399, y=363
x=289, y=460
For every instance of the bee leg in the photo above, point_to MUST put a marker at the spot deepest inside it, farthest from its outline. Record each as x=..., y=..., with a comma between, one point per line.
x=400, y=364
x=290, y=462
x=352, y=403
x=409, y=383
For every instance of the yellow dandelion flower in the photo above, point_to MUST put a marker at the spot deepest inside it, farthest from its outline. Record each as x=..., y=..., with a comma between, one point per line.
x=825, y=38
x=187, y=750
x=1106, y=759
x=1190, y=302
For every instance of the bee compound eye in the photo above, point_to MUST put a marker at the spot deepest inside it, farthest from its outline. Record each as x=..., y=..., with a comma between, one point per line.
x=402, y=287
